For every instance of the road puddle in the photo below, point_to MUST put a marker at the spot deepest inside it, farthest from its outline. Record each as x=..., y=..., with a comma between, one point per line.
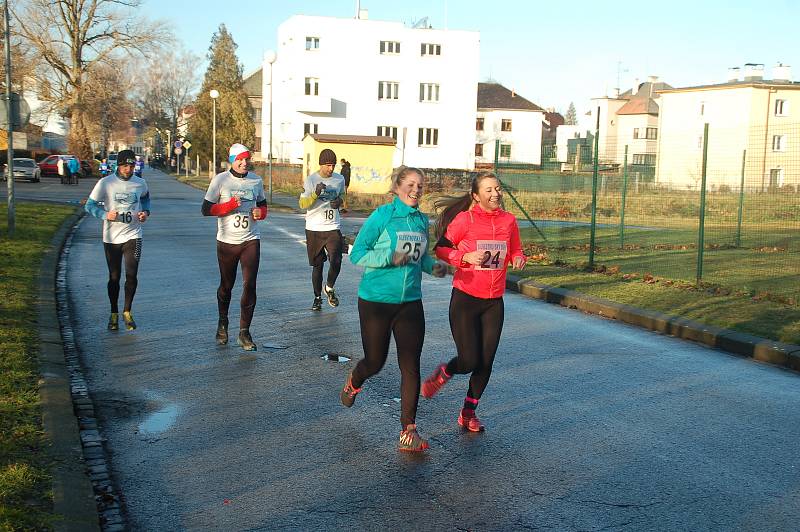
x=333, y=357
x=159, y=421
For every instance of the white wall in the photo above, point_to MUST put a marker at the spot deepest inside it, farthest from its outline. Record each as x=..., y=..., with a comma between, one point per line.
x=349, y=67
x=525, y=136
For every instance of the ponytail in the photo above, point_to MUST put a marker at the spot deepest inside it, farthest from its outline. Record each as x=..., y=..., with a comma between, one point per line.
x=452, y=205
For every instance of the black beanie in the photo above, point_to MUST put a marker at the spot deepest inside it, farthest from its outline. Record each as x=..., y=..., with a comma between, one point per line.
x=126, y=157
x=327, y=156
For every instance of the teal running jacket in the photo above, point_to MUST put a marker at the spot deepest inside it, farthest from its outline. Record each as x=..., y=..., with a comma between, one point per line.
x=394, y=227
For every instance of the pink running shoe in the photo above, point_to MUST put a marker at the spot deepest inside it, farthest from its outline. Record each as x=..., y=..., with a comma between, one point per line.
x=434, y=383
x=470, y=421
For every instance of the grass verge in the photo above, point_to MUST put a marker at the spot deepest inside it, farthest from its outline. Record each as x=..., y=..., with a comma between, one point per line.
x=25, y=485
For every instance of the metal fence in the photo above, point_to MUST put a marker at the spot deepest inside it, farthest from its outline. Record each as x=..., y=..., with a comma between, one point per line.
x=719, y=208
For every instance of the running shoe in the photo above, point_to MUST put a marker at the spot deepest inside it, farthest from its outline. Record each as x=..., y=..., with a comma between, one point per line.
x=434, y=383
x=332, y=299
x=222, y=331
x=113, y=322
x=349, y=392
x=469, y=421
x=246, y=341
x=411, y=441
x=317, y=304
x=128, y=318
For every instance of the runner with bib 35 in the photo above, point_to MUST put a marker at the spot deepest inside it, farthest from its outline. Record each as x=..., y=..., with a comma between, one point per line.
x=481, y=240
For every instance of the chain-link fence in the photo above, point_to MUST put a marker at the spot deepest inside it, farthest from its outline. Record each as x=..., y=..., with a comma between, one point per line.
x=711, y=206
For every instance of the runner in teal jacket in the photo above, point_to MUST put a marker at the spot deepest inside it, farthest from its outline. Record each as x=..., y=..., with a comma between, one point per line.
x=393, y=248
x=394, y=227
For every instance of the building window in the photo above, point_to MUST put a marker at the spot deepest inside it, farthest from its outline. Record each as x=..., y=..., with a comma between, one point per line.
x=257, y=147
x=781, y=108
x=429, y=92
x=702, y=108
x=428, y=136
x=776, y=177
x=256, y=114
x=778, y=142
x=505, y=151
x=312, y=86
x=430, y=49
x=648, y=159
x=388, y=90
x=479, y=150
x=636, y=132
x=309, y=128
x=505, y=124
x=387, y=131
x=390, y=47
x=652, y=133
x=312, y=43
x=479, y=124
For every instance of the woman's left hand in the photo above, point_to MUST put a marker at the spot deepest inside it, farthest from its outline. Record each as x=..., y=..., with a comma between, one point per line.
x=438, y=270
x=519, y=263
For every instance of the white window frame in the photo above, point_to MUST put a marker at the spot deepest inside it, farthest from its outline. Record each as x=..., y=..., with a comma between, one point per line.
x=312, y=43
x=387, y=131
x=778, y=142
x=781, y=107
x=310, y=128
x=478, y=148
x=430, y=49
x=389, y=47
x=311, y=87
x=388, y=90
x=480, y=123
x=429, y=92
x=636, y=132
x=777, y=172
x=428, y=137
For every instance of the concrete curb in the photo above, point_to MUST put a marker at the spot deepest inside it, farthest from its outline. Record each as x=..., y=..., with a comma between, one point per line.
x=73, y=496
x=746, y=345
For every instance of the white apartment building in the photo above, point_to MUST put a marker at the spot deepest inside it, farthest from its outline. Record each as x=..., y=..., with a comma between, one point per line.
x=515, y=122
x=366, y=77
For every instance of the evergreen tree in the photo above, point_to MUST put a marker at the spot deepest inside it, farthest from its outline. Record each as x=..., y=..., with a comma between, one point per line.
x=572, y=116
x=234, y=113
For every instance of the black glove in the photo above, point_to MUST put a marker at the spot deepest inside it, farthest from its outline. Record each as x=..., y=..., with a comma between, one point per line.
x=336, y=202
x=320, y=189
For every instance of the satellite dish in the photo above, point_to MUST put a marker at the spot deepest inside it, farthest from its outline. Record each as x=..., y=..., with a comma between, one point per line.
x=20, y=112
x=421, y=23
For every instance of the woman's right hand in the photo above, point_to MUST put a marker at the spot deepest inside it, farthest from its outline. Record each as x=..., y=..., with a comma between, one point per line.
x=400, y=259
x=473, y=257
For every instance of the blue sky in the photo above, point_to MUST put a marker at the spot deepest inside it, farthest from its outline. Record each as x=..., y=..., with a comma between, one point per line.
x=550, y=52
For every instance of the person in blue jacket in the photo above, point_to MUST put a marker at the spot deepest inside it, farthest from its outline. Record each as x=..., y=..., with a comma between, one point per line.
x=392, y=246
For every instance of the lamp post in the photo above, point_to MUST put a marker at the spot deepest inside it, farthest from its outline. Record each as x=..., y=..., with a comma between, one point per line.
x=214, y=95
x=270, y=56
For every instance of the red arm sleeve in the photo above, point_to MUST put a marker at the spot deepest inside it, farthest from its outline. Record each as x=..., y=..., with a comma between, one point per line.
x=221, y=209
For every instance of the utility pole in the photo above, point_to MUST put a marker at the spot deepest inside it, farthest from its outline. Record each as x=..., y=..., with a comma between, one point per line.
x=9, y=128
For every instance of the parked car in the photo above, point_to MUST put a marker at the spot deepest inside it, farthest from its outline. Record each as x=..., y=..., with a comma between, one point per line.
x=49, y=166
x=24, y=168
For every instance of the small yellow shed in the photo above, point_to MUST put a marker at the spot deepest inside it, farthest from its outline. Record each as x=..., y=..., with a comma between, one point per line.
x=370, y=159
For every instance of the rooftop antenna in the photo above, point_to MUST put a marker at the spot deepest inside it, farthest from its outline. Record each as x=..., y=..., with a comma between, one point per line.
x=620, y=71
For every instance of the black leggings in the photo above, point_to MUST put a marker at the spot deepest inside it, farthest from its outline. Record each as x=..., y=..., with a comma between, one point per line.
x=131, y=251
x=407, y=322
x=229, y=256
x=476, y=325
x=322, y=246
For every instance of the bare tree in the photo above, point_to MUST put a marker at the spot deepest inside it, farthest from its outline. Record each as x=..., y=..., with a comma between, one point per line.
x=72, y=37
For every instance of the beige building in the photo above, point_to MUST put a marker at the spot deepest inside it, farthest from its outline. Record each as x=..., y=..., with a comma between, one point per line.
x=753, y=130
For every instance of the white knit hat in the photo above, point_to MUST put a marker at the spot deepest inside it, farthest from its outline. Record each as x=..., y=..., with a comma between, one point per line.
x=238, y=151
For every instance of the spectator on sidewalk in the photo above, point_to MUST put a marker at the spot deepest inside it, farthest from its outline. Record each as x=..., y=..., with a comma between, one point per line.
x=74, y=167
x=61, y=167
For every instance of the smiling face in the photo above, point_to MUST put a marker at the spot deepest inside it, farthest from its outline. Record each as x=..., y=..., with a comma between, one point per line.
x=409, y=188
x=489, y=194
x=241, y=165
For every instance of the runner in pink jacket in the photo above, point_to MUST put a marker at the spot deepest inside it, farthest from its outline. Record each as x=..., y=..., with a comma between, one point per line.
x=481, y=240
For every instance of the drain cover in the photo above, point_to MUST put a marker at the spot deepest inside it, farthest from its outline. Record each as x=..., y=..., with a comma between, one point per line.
x=333, y=357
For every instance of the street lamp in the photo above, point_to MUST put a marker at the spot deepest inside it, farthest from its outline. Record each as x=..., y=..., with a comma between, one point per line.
x=214, y=95
x=270, y=56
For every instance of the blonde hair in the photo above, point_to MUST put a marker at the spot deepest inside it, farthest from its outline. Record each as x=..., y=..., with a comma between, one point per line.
x=401, y=173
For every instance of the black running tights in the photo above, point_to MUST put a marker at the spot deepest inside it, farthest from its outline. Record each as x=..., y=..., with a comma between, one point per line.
x=131, y=251
x=229, y=256
x=407, y=322
x=476, y=325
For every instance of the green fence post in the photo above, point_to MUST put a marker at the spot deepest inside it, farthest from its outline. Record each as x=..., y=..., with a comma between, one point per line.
x=496, y=156
x=741, y=204
x=701, y=229
x=624, y=193
x=594, y=192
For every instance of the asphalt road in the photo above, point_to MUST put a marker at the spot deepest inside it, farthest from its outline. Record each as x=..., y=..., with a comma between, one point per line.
x=591, y=424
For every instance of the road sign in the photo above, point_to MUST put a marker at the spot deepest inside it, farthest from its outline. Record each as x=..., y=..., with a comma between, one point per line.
x=187, y=144
x=178, y=144
x=178, y=151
